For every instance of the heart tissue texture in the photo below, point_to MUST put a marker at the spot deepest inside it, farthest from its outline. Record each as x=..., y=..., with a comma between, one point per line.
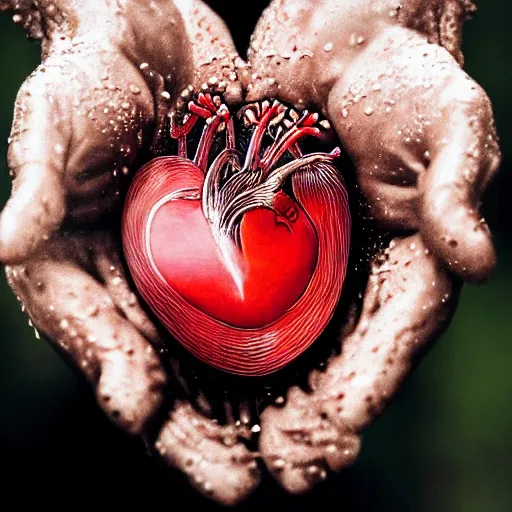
x=243, y=264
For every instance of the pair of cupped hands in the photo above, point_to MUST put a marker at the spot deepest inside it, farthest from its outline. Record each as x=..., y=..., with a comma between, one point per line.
x=419, y=131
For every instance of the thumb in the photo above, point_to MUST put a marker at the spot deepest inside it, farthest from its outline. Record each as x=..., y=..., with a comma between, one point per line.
x=462, y=165
x=36, y=160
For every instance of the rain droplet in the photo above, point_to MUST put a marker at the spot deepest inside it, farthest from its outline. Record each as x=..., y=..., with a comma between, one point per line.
x=332, y=448
x=312, y=470
x=134, y=89
x=278, y=464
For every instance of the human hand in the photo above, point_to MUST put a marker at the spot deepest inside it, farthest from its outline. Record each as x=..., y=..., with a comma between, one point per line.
x=409, y=300
x=421, y=135
x=83, y=122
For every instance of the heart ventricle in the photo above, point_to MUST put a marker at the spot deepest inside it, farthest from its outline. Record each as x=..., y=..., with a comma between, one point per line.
x=248, y=286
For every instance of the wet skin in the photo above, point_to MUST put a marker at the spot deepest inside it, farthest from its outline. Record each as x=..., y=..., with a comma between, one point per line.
x=418, y=130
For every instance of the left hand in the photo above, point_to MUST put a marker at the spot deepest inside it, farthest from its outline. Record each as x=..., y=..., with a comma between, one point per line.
x=421, y=135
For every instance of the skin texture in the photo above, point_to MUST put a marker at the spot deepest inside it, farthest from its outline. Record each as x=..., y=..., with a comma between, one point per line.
x=420, y=134
x=71, y=153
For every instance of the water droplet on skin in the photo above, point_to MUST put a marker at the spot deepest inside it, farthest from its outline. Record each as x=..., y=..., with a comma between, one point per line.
x=94, y=310
x=255, y=429
x=229, y=440
x=328, y=47
x=278, y=464
x=143, y=66
x=126, y=150
x=368, y=111
x=64, y=324
x=166, y=95
x=313, y=470
x=134, y=89
x=59, y=149
x=332, y=448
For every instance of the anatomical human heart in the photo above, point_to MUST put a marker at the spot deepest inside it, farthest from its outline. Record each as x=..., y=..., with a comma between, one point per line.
x=242, y=258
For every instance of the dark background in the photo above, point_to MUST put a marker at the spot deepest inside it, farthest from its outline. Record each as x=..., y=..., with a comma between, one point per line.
x=444, y=445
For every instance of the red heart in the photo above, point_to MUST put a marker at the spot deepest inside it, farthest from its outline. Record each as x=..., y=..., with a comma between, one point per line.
x=248, y=308
x=271, y=271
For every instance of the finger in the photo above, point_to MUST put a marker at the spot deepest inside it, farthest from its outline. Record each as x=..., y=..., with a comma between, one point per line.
x=75, y=311
x=392, y=204
x=299, y=446
x=111, y=271
x=211, y=455
x=215, y=58
x=408, y=302
x=37, y=150
x=465, y=157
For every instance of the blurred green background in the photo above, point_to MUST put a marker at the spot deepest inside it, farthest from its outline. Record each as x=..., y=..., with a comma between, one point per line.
x=444, y=445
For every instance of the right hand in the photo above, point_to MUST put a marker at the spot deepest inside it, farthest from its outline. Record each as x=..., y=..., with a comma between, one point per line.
x=108, y=77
